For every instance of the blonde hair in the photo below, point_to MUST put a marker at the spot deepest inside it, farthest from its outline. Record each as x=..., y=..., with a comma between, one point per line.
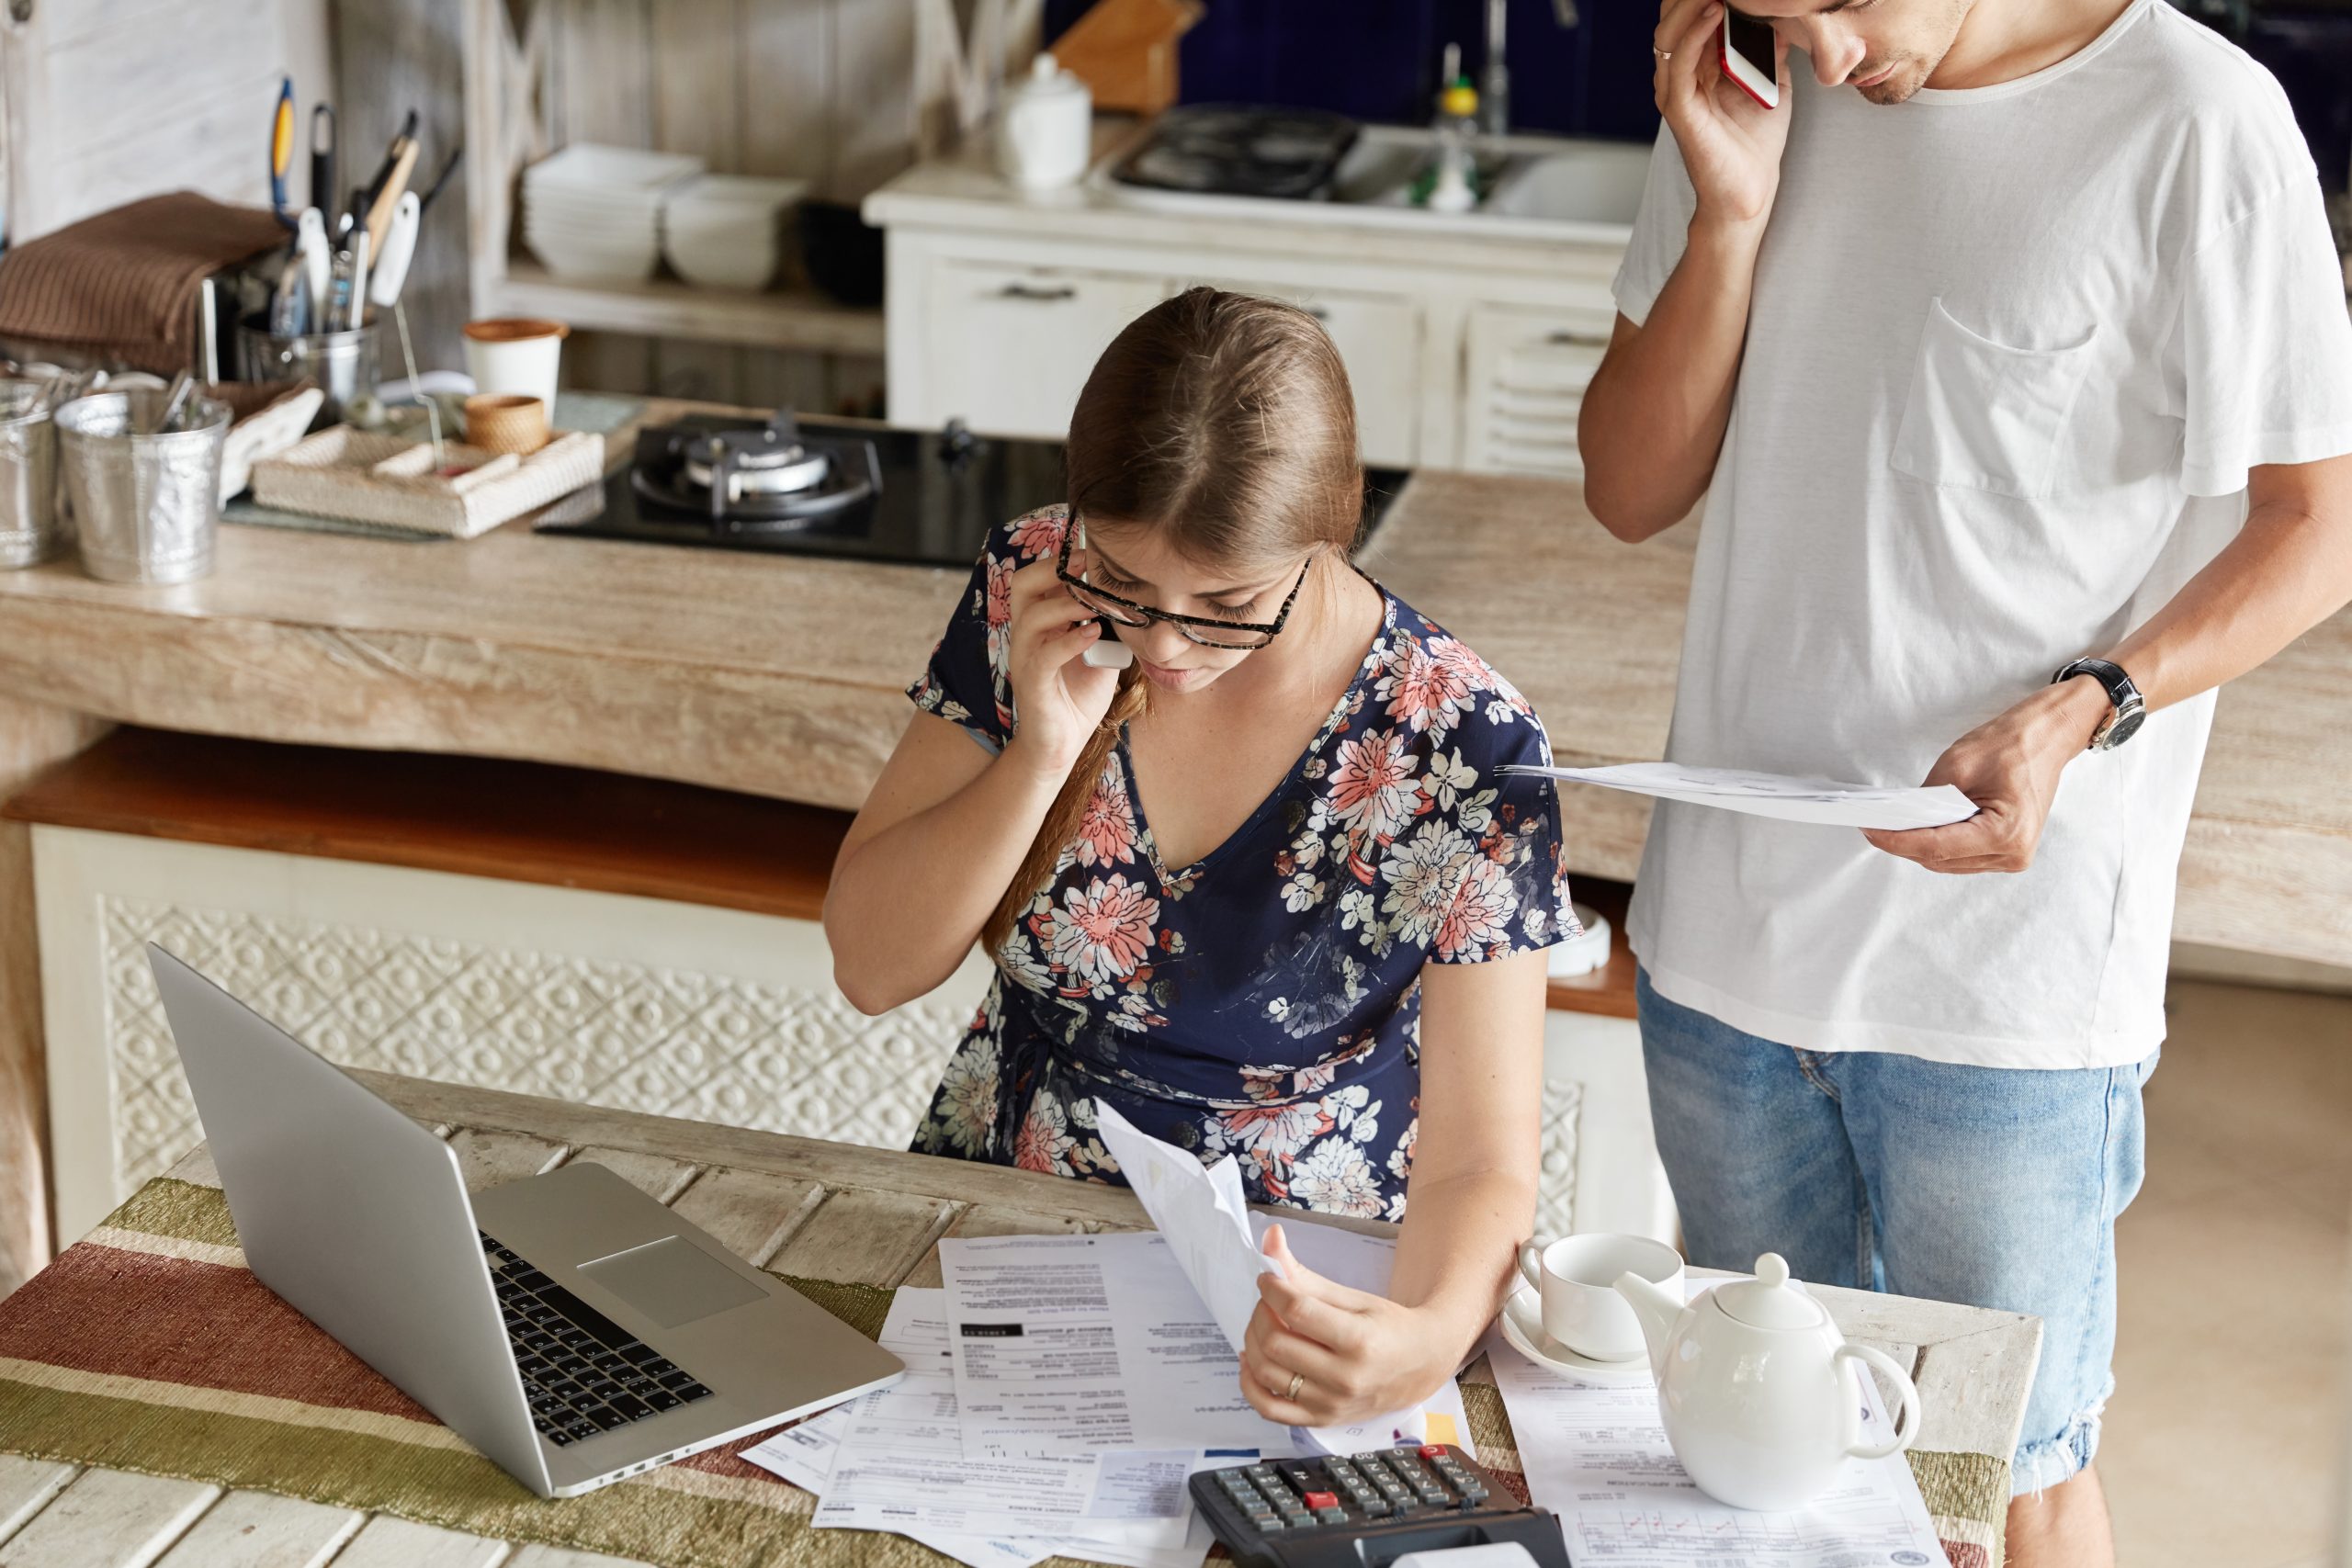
x=1224, y=422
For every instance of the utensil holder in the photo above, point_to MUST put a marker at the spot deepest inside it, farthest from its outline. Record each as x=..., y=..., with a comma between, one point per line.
x=343, y=364
x=32, y=526
x=147, y=507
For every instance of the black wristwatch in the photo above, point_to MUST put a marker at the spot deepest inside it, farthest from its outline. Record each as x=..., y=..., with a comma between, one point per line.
x=2127, y=710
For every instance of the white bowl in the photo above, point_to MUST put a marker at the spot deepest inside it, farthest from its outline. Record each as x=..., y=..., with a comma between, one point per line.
x=592, y=165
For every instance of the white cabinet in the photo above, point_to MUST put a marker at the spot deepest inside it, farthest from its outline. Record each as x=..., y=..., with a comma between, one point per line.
x=1450, y=367
x=1007, y=347
x=1379, y=339
x=1524, y=372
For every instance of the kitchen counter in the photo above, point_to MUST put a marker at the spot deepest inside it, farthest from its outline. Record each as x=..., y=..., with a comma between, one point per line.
x=962, y=191
x=783, y=675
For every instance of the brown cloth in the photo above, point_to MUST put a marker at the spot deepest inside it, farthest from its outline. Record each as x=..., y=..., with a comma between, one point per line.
x=121, y=286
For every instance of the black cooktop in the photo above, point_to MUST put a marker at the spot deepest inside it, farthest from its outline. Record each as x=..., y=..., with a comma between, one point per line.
x=923, y=497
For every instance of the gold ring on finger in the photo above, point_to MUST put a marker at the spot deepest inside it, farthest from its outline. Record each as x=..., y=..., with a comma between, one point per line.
x=1663, y=54
x=1297, y=1381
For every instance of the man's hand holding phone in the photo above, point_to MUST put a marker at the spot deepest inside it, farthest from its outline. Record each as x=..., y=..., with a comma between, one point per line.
x=1731, y=143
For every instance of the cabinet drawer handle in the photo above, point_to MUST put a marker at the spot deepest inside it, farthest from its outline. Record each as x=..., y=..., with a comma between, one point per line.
x=1031, y=291
x=1565, y=336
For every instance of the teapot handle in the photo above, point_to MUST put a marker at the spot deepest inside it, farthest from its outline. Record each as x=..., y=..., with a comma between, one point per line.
x=1906, y=1421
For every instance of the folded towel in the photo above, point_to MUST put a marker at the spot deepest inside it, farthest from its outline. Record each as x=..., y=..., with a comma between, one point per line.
x=122, y=286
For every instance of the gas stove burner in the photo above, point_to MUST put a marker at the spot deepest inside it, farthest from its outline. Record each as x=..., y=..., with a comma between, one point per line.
x=756, y=462
x=754, y=476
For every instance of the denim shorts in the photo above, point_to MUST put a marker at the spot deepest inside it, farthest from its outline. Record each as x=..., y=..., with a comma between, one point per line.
x=1999, y=1186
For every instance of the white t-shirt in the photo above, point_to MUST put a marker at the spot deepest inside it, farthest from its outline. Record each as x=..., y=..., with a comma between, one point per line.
x=2011, y=353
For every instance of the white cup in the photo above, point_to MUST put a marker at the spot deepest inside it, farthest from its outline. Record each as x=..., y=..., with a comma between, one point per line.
x=1576, y=1279
x=515, y=355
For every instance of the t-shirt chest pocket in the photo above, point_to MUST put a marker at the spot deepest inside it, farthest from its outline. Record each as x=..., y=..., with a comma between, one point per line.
x=1983, y=415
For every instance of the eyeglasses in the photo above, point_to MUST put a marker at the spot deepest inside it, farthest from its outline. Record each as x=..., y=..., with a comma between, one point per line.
x=1208, y=632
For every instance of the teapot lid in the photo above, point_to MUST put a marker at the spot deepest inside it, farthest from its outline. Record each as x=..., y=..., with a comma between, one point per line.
x=1772, y=1300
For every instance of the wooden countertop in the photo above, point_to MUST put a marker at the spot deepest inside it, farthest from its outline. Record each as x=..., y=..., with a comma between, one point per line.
x=783, y=675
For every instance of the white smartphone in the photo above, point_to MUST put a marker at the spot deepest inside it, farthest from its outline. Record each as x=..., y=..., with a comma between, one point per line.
x=1748, y=53
x=1109, y=653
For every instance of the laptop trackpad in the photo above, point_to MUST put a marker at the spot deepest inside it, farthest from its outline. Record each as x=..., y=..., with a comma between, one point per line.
x=672, y=1280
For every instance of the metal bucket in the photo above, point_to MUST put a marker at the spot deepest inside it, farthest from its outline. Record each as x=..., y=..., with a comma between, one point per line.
x=342, y=365
x=147, y=507
x=32, y=527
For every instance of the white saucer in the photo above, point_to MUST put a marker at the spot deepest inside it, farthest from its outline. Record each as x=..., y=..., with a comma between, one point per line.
x=1546, y=1351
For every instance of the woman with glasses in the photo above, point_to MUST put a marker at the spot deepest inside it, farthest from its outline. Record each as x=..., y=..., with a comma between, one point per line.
x=1268, y=891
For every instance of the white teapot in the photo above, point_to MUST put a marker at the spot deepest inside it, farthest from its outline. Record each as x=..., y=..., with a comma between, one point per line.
x=1754, y=1388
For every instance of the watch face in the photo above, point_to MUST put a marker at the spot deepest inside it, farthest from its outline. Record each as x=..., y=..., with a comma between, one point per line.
x=2125, y=726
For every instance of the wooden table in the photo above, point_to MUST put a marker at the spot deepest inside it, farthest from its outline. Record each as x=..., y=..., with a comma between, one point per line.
x=816, y=1209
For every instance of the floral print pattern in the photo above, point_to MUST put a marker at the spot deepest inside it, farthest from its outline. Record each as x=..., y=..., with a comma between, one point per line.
x=1265, y=1002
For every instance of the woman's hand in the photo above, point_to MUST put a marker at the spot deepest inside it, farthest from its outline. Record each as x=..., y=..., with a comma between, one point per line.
x=1059, y=700
x=1349, y=1353
x=1730, y=143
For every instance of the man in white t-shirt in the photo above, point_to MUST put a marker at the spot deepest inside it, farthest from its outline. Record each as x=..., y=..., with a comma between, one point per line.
x=2013, y=337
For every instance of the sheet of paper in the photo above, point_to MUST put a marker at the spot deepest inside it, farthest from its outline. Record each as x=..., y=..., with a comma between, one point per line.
x=1596, y=1454
x=1021, y=1317
x=1824, y=801
x=1201, y=1212
x=894, y=1460
x=1069, y=1344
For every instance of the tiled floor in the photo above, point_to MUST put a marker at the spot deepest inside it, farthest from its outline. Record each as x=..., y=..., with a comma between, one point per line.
x=2223, y=1441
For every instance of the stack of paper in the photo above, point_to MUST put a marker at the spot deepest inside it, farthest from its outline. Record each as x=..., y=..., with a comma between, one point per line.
x=894, y=1460
x=1062, y=1389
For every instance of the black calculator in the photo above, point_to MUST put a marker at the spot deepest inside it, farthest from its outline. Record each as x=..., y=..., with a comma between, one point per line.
x=1368, y=1510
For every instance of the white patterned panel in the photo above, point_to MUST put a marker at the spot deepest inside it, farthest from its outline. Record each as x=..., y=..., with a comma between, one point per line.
x=1556, y=1196
x=669, y=1041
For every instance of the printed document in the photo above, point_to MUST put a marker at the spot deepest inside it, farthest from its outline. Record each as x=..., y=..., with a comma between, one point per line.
x=893, y=1460
x=1824, y=801
x=1596, y=1454
x=1069, y=1343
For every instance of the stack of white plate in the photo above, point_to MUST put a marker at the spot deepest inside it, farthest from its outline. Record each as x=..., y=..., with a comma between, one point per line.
x=594, y=213
x=726, y=231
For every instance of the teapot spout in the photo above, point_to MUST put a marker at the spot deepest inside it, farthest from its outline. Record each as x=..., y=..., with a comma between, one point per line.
x=1657, y=1309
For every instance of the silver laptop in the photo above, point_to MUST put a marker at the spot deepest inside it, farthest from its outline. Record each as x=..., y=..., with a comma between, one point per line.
x=567, y=1324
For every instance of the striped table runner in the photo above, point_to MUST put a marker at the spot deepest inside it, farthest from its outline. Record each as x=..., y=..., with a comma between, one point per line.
x=149, y=1347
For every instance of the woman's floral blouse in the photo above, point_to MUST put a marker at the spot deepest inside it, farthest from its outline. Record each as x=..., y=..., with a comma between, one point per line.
x=1265, y=1001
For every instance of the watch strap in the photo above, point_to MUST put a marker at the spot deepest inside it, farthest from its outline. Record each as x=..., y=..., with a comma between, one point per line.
x=2126, y=706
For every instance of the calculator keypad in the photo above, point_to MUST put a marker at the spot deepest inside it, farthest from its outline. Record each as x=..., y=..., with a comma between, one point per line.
x=1380, y=1487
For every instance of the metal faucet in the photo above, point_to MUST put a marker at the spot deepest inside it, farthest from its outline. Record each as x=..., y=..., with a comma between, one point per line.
x=1494, y=87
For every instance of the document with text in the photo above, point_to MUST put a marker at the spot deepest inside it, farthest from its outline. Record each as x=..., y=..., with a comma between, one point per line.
x=1823, y=802
x=894, y=1460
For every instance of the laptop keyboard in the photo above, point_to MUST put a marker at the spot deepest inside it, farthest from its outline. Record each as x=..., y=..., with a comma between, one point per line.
x=582, y=1372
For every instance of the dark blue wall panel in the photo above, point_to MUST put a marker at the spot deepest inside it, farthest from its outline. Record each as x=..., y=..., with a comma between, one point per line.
x=1378, y=60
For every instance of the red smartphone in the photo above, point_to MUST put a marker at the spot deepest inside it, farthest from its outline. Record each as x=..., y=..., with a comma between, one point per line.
x=1748, y=52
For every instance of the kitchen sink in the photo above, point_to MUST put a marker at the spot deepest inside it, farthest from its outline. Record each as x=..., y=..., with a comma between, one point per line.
x=1537, y=188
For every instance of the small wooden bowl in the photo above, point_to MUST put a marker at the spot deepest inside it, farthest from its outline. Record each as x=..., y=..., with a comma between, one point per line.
x=505, y=421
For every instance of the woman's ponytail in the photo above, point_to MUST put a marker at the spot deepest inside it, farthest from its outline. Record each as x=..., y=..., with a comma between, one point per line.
x=1067, y=812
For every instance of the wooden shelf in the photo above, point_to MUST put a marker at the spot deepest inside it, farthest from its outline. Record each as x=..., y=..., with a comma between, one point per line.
x=796, y=319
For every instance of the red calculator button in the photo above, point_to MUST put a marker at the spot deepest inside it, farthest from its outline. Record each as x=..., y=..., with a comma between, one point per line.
x=1431, y=1450
x=1322, y=1500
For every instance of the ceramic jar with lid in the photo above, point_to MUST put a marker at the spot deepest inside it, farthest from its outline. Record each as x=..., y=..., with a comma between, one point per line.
x=1045, y=130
